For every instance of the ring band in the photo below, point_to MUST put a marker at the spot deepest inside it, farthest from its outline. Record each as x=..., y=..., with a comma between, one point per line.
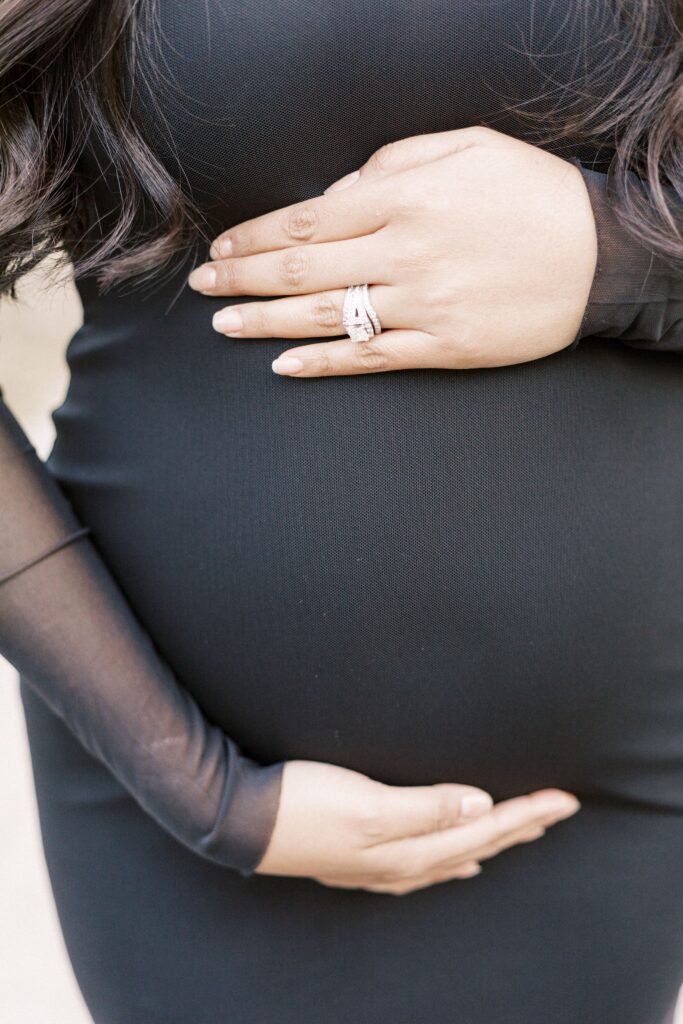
x=370, y=310
x=359, y=317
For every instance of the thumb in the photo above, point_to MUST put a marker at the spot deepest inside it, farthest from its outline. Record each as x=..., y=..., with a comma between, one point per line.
x=417, y=810
x=411, y=152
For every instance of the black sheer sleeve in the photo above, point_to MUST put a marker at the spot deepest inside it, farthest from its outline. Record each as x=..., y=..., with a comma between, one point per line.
x=66, y=626
x=635, y=296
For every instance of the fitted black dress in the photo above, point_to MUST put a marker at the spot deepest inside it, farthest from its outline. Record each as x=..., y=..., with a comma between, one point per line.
x=426, y=575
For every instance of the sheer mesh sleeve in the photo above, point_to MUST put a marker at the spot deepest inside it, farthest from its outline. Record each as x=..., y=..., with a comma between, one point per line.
x=66, y=626
x=635, y=296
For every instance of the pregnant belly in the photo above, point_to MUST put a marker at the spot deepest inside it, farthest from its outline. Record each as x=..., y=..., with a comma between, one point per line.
x=423, y=575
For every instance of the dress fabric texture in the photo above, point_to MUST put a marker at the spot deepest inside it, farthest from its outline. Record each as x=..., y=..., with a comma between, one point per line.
x=425, y=575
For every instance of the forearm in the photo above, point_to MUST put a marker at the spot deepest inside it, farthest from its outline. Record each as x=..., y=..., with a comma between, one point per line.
x=66, y=626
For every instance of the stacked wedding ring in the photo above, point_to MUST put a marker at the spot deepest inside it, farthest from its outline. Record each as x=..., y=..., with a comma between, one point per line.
x=359, y=317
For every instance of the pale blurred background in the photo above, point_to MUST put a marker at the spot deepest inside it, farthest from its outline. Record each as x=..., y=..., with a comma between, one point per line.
x=36, y=982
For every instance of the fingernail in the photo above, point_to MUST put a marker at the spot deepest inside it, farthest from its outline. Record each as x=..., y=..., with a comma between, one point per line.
x=227, y=320
x=202, y=277
x=475, y=804
x=221, y=249
x=287, y=364
x=344, y=182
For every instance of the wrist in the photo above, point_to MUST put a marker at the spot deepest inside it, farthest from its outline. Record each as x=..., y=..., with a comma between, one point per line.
x=626, y=275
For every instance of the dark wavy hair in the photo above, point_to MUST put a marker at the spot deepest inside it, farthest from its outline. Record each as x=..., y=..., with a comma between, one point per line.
x=62, y=68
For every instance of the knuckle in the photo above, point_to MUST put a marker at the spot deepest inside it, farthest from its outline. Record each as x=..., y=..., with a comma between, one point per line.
x=325, y=313
x=293, y=267
x=242, y=241
x=301, y=223
x=383, y=159
x=370, y=821
x=322, y=364
x=440, y=811
x=478, y=133
x=229, y=275
x=370, y=357
x=258, y=317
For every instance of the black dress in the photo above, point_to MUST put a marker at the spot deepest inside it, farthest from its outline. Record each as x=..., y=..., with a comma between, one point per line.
x=426, y=575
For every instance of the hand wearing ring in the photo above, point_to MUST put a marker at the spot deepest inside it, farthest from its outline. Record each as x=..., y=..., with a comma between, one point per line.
x=479, y=250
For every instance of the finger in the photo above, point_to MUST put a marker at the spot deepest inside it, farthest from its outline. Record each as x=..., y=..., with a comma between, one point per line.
x=504, y=842
x=502, y=839
x=412, y=152
x=338, y=214
x=390, y=350
x=466, y=869
x=423, y=882
x=523, y=812
x=323, y=218
x=304, y=316
x=450, y=866
x=404, y=887
x=294, y=271
x=416, y=810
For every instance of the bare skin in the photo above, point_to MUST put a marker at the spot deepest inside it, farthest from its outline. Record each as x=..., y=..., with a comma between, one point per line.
x=480, y=250
x=344, y=829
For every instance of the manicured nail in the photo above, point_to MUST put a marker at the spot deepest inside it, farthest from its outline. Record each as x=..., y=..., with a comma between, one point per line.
x=227, y=321
x=202, y=277
x=221, y=249
x=287, y=364
x=344, y=182
x=474, y=804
